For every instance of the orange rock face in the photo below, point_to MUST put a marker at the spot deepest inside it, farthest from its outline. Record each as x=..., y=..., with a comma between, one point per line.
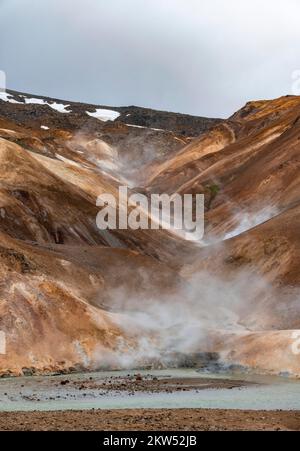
x=72, y=296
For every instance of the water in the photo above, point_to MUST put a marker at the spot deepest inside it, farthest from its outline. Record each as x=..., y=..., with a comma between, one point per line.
x=33, y=393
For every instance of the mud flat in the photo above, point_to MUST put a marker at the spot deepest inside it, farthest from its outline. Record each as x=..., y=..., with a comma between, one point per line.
x=158, y=389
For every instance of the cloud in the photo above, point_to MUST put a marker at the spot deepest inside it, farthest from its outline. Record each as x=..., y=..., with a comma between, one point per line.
x=205, y=58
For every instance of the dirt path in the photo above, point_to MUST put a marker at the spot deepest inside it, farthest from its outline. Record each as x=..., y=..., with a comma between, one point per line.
x=158, y=419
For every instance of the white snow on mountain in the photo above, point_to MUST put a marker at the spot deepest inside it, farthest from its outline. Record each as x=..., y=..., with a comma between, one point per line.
x=60, y=107
x=148, y=128
x=7, y=97
x=104, y=115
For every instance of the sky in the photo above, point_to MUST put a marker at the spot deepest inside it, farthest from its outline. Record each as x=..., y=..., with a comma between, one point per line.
x=202, y=57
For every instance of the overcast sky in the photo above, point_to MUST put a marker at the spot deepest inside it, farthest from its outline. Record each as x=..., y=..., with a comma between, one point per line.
x=203, y=57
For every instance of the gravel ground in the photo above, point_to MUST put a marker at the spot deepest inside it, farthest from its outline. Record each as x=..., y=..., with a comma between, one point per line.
x=149, y=420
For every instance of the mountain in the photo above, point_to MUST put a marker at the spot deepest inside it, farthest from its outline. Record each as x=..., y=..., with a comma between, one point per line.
x=74, y=297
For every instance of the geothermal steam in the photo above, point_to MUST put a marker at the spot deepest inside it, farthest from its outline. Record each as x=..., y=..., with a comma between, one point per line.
x=168, y=327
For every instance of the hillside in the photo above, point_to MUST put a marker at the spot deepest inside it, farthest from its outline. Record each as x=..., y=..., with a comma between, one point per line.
x=75, y=297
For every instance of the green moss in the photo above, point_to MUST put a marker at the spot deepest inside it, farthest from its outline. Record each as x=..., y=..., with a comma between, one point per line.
x=213, y=190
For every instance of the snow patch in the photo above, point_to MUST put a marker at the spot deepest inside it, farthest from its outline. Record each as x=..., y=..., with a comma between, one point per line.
x=34, y=101
x=60, y=107
x=104, y=115
x=44, y=127
x=147, y=128
x=7, y=97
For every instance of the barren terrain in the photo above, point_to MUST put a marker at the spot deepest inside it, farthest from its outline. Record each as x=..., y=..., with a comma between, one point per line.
x=73, y=297
x=151, y=420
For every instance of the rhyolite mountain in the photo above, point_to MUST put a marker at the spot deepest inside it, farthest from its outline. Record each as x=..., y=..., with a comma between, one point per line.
x=74, y=297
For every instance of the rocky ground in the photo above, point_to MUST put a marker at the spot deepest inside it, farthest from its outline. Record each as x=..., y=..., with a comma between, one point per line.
x=152, y=384
x=151, y=420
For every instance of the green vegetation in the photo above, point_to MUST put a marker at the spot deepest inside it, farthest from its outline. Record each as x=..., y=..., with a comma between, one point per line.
x=213, y=190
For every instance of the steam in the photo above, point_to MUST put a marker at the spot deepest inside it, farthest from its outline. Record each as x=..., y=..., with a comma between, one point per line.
x=102, y=155
x=165, y=328
x=160, y=329
x=248, y=220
